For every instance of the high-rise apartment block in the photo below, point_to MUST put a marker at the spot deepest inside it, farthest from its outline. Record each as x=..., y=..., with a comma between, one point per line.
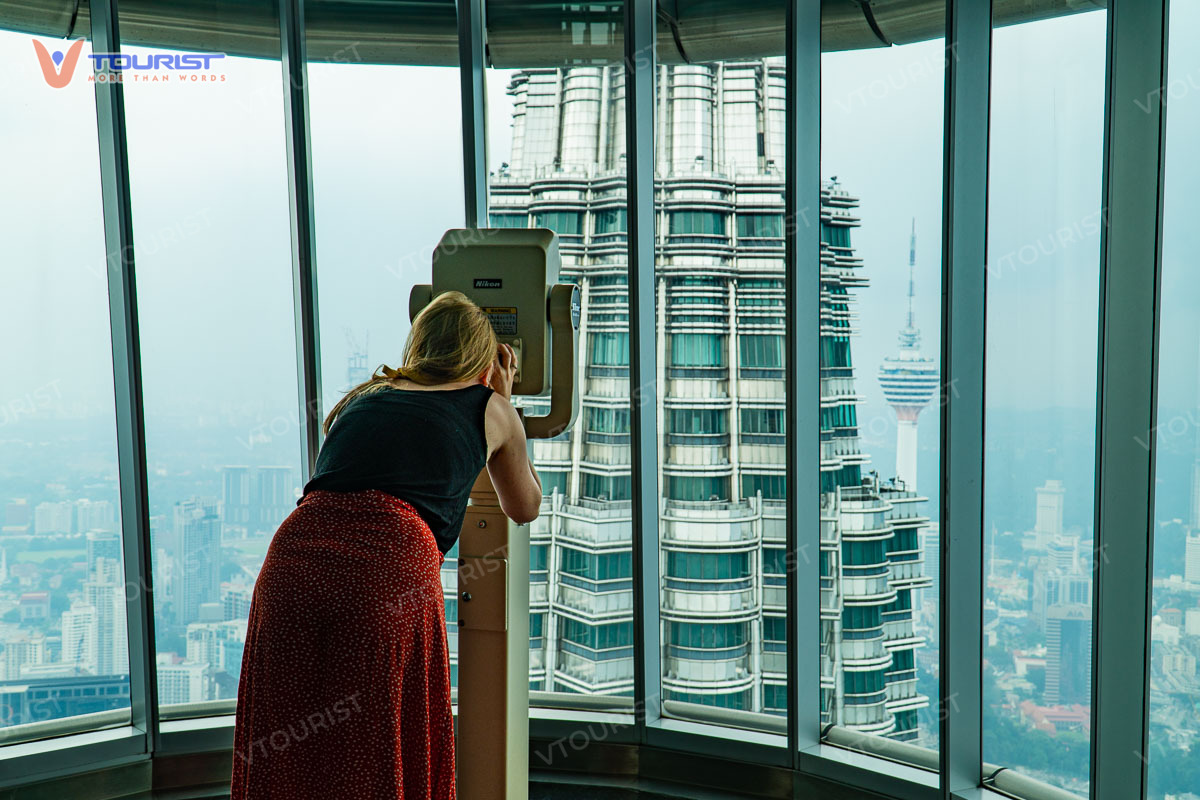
x=196, y=572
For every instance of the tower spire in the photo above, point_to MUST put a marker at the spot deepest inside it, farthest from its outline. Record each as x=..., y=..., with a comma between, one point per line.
x=910, y=337
x=909, y=382
x=912, y=266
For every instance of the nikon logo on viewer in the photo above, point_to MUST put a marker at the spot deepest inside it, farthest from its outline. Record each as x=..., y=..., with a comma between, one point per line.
x=488, y=283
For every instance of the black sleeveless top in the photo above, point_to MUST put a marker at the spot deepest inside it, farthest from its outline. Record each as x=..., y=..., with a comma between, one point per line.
x=423, y=447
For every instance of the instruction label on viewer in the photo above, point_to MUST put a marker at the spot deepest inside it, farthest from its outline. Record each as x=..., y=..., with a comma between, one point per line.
x=503, y=319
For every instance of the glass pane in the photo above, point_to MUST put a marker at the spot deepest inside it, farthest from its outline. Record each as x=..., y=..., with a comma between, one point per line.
x=556, y=144
x=385, y=190
x=1042, y=288
x=720, y=292
x=208, y=181
x=1174, y=769
x=62, y=584
x=881, y=222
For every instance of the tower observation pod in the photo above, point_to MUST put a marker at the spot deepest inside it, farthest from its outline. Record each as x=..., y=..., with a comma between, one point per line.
x=909, y=381
x=512, y=275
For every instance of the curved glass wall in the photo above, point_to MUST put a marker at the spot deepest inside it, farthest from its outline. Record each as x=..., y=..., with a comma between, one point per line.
x=63, y=644
x=1044, y=220
x=208, y=188
x=208, y=181
x=1170, y=755
x=881, y=220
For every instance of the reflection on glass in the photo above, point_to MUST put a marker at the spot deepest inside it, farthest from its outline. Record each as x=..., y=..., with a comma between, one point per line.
x=720, y=297
x=880, y=221
x=1043, y=273
x=62, y=585
x=1174, y=769
x=557, y=150
x=210, y=210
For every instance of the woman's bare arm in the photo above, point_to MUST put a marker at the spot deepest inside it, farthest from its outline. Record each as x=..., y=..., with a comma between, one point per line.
x=513, y=476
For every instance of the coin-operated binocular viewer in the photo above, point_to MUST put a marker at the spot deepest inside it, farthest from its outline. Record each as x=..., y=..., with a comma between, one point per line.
x=512, y=274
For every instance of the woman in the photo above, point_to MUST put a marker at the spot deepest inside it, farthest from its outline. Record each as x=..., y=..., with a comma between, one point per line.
x=345, y=684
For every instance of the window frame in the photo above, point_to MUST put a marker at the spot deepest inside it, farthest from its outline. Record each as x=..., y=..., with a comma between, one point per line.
x=1129, y=329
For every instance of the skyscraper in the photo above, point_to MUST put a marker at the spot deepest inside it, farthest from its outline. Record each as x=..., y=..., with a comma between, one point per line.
x=719, y=398
x=236, y=501
x=79, y=631
x=1191, y=558
x=105, y=592
x=1068, y=654
x=197, y=572
x=1049, y=520
x=102, y=544
x=94, y=515
x=909, y=381
x=274, y=495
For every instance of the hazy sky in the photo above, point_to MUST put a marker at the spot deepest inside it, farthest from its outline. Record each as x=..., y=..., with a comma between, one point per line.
x=211, y=222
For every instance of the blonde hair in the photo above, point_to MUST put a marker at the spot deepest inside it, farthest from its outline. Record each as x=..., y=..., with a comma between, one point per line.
x=451, y=340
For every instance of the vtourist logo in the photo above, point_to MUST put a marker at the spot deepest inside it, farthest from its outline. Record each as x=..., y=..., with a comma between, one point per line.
x=58, y=68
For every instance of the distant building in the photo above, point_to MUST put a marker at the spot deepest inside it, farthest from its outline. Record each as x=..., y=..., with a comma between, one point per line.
x=217, y=644
x=196, y=574
x=1063, y=554
x=54, y=518
x=1051, y=588
x=21, y=650
x=105, y=592
x=1053, y=718
x=236, y=500
x=79, y=629
x=235, y=601
x=1172, y=616
x=102, y=544
x=94, y=515
x=1178, y=663
x=1068, y=654
x=181, y=680
x=275, y=495
x=1191, y=558
x=1049, y=513
x=1191, y=622
x=34, y=606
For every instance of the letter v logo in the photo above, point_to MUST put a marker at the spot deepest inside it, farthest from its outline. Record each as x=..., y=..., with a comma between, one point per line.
x=58, y=69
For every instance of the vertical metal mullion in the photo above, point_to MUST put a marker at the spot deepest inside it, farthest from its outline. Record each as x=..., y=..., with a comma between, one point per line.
x=294, y=62
x=639, y=145
x=802, y=199
x=964, y=286
x=1130, y=271
x=471, y=64
x=127, y=380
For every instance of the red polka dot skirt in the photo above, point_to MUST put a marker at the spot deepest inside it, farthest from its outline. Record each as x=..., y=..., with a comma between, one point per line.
x=345, y=684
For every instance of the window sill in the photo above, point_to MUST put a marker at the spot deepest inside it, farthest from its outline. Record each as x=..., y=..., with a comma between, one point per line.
x=44, y=759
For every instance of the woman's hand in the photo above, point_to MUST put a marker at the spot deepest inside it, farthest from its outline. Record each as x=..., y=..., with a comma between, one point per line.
x=504, y=373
